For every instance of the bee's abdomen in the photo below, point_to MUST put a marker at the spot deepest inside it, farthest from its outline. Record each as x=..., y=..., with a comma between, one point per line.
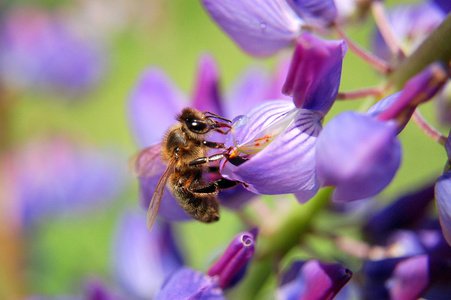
x=200, y=206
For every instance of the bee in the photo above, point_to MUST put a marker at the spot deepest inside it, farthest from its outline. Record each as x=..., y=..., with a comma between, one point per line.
x=184, y=150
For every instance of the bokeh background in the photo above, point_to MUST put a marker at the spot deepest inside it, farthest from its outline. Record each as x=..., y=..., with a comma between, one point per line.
x=60, y=250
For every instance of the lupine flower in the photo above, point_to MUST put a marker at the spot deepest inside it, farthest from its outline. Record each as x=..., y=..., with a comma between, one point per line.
x=359, y=154
x=142, y=260
x=191, y=284
x=155, y=101
x=313, y=280
x=55, y=176
x=271, y=25
x=278, y=138
x=42, y=51
x=411, y=24
x=406, y=212
x=416, y=263
x=443, y=195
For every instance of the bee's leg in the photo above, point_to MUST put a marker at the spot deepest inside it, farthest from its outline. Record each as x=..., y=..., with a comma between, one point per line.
x=200, y=187
x=214, y=170
x=204, y=160
x=213, y=145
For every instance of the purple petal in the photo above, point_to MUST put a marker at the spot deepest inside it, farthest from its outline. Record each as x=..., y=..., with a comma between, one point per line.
x=54, y=176
x=313, y=280
x=404, y=212
x=41, y=50
x=417, y=90
x=443, y=200
x=235, y=198
x=190, y=284
x=410, y=278
x=287, y=163
x=206, y=92
x=143, y=259
x=247, y=91
x=376, y=273
x=260, y=29
x=315, y=72
x=153, y=105
x=358, y=155
x=321, y=12
x=234, y=259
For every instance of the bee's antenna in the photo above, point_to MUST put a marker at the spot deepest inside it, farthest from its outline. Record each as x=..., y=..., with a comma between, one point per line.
x=215, y=116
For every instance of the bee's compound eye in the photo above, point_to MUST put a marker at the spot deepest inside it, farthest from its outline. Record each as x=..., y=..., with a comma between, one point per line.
x=196, y=126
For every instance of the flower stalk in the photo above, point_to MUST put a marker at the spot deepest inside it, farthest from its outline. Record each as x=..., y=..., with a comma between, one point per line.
x=289, y=234
x=432, y=49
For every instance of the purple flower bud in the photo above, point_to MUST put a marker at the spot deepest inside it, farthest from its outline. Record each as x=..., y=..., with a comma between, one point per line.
x=313, y=280
x=190, y=284
x=357, y=154
x=315, y=72
x=417, y=90
x=233, y=260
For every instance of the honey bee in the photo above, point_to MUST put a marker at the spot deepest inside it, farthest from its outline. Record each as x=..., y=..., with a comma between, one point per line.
x=184, y=150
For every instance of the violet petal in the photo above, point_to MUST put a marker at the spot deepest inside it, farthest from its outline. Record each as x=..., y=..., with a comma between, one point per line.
x=313, y=280
x=417, y=90
x=143, y=259
x=410, y=278
x=315, y=72
x=187, y=283
x=41, y=50
x=404, y=212
x=54, y=176
x=358, y=155
x=153, y=104
x=321, y=12
x=260, y=29
x=443, y=200
x=206, y=95
x=287, y=163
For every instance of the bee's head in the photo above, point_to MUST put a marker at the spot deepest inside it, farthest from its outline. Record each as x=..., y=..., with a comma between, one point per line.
x=195, y=121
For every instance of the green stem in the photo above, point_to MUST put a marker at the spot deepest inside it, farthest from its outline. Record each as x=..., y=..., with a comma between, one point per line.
x=435, y=48
x=273, y=248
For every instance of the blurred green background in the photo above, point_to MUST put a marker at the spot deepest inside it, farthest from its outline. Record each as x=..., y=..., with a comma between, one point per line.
x=170, y=34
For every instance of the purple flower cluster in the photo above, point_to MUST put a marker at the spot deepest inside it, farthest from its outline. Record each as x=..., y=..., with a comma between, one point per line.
x=281, y=144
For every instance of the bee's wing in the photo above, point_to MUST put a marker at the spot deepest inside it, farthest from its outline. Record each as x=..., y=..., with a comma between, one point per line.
x=158, y=194
x=147, y=162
